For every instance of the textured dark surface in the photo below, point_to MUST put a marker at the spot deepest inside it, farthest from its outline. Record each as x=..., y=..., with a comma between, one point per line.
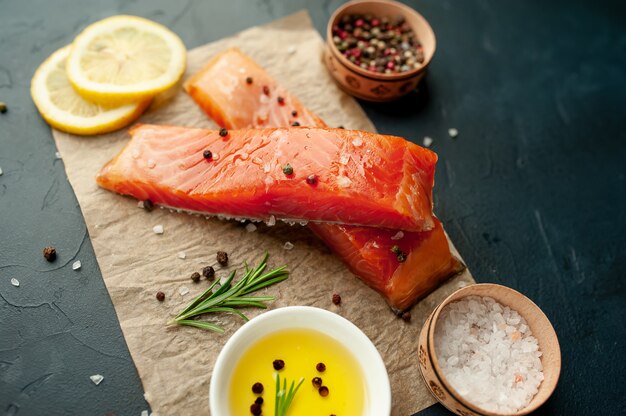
x=533, y=191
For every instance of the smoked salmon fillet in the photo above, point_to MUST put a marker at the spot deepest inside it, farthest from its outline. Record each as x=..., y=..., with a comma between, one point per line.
x=295, y=174
x=229, y=90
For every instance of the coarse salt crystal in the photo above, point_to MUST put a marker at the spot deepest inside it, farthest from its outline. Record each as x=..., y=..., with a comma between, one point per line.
x=158, y=229
x=357, y=141
x=344, y=159
x=15, y=282
x=140, y=205
x=183, y=290
x=1, y=172
x=397, y=236
x=344, y=182
x=427, y=141
x=272, y=221
x=151, y=163
x=144, y=413
x=57, y=155
x=291, y=50
x=453, y=132
x=96, y=378
x=250, y=227
x=242, y=70
x=267, y=167
x=182, y=255
x=76, y=265
x=288, y=245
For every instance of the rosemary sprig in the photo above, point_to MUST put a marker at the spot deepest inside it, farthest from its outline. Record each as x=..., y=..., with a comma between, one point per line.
x=284, y=397
x=229, y=297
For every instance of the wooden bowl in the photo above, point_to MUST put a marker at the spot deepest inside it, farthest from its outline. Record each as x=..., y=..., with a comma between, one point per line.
x=537, y=322
x=369, y=85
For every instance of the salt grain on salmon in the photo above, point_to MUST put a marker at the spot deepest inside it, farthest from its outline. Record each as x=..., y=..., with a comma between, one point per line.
x=404, y=200
x=486, y=356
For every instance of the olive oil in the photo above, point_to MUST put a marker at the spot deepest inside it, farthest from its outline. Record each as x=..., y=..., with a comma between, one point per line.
x=301, y=350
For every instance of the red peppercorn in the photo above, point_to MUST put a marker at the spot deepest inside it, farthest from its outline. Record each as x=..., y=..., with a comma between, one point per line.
x=259, y=400
x=223, y=132
x=50, y=253
x=321, y=367
x=317, y=382
x=255, y=409
x=257, y=388
x=207, y=154
x=391, y=65
x=209, y=273
x=266, y=90
x=375, y=22
x=281, y=100
x=195, y=276
x=160, y=296
x=222, y=258
x=278, y=365
x=311, y=179
x=323, y=391
x=294, y=113
x=248, y=80
x=359, y=23
x=336, y=299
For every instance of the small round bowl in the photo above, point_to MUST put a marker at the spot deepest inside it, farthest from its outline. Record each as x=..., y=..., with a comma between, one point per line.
x=378, y=390
x=369, y=85
x=537, y=322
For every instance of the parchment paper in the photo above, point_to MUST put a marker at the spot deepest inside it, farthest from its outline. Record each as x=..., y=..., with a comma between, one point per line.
x=175, y=363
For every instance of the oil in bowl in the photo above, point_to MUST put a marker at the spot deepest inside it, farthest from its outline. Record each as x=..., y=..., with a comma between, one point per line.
x=333, y=381
x=334, y=367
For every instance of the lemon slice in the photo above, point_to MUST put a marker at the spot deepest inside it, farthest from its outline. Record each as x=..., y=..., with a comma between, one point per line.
x=62, y=107
x=123, y=59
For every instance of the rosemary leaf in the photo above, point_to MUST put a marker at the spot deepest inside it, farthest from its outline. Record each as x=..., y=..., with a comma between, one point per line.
x=229, y=297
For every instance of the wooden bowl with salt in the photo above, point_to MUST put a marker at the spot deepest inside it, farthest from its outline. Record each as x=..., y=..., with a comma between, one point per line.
x=539, y=326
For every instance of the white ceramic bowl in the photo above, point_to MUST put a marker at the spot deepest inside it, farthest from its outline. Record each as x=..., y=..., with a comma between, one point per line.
x=378, y=390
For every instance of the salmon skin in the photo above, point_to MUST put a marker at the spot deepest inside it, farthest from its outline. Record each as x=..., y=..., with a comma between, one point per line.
x=381, y=181
x=223, y=91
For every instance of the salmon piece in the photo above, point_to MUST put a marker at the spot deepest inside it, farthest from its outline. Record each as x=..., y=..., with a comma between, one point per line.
x=385, y=181
x=368, y=254
x=221, y=90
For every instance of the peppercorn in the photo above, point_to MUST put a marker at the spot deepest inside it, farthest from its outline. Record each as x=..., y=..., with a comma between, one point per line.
x=50, y=253
x=207, y=154
x=311, y=179
x=148, y=205
x=266, y=90
x=295, y=124
x=340, y=127
x=248, y=80
x=287, y=170
x=280, y=100
x=323, y=391
x=278, y=364
x=195, y=276
x=222, y=258
x=259, y=400
x=406, y=316
x=160, y=296
x=223, y=132
x=294, y=113
x=3, y=107
x=257, y=388
x=317, y=382
x=209, y=273
x=255, y=409
x=336, y=299
x=321, y=367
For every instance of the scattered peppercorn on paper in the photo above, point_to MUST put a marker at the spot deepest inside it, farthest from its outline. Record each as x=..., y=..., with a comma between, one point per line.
x=175, y=363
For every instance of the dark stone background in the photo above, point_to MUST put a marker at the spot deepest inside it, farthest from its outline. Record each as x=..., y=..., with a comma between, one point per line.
x=532, y=191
